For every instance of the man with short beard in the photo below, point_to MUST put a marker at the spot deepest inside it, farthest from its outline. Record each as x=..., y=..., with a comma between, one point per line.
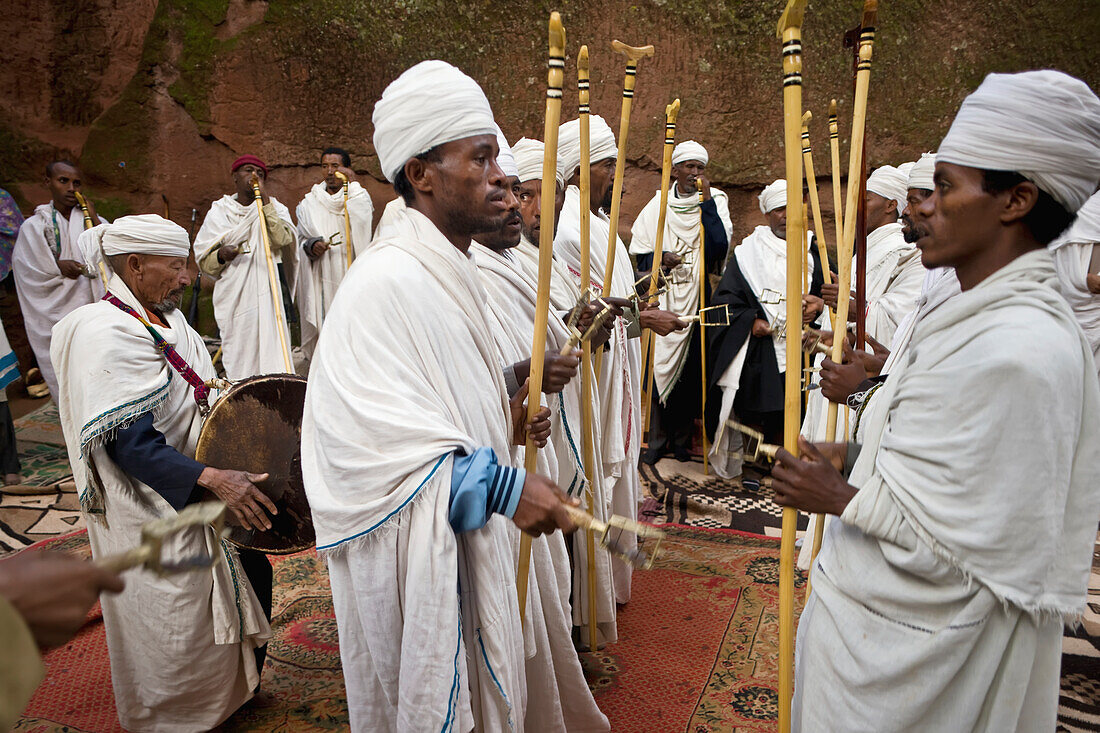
x=131, y=372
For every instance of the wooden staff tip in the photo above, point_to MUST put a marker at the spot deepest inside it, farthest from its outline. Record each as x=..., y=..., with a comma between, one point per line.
x=632, y=53
x=832, y=108
x=870, y=10
x=806, y=119
x=672, y=110
x=582, y=59
x=557, y=32
x=792, y=16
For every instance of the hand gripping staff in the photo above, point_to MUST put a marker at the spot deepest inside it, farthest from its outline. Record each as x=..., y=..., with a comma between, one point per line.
x=350, y=253
x=555, y=77
x=844, y=249
x=272, y=278
x=649, y=340
x=633, y=55
x=790, y=31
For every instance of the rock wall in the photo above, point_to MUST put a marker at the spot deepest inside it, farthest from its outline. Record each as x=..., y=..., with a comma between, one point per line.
x=157, y=97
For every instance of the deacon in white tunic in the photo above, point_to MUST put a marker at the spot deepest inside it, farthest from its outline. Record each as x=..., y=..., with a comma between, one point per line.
x=323, y=234
x=677, y=402
x=750, y=354
x=230, y=247
x=969, y=518
x=184, y=648
x=1077, y=260
x=51, y=276
x=620, y=379
x=408, y=432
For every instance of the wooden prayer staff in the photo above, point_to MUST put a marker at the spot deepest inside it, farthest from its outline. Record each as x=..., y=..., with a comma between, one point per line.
x=272, y=278
x=790, y=31
x=350, y=253
x=554, y=78
x=811, y=180
x=88, y=224
x=844, y=249
x=703, y=334
x=834, y=151
x=588, y=452
x=649, y=339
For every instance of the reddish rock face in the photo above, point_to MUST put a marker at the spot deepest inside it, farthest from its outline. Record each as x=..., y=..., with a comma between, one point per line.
x=156, y=98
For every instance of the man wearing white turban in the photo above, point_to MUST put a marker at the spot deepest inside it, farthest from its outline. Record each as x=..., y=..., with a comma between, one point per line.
x=676, y=401
x=1077, y=260
x=408, y=432
x=321, y=235
x=51, y=276
x=230, y=247
x=749, y=356
x=620, y=379
x=968, y=520
x=185, y=654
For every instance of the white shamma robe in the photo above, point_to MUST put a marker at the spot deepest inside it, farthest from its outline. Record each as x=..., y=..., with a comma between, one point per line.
x=243, y=305
x=405, y=373
x=321, y=214
x=181, y=646
x=45, y=296
x=939, y=597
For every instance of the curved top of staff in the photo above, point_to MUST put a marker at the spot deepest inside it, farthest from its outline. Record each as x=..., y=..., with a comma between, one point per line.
x=672, y=111
x=582, y=59
x=870, y=10
x=632, y=53
x=792, y=16
x=806, y=117
x=832, y=108
x=557, y=32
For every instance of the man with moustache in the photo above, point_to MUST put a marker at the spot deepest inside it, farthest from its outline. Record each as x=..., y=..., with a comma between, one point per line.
x=185, y=654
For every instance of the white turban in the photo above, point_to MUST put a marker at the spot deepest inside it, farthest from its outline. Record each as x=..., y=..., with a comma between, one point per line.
x=890, y=183
x=920, y=175
x=1044, y=125
x=689, y=150
x=774, y=196
x=529, y=154
x=430, y=104
x=143, y=234
x=601, y=144
x=505, y=159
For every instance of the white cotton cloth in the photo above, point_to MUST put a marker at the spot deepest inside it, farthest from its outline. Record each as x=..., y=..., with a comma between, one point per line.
x=147, y=234
x=392, y=214
x=529, y=158
x=45, y=297
x=564, y=292
x=890, y=183
x=681, y=237
x=920, y=175
x=321, y=214
x=601, y=144
x=689, y=150
x=774, y=196
x=430, y=104
x=399, y=382
x=564, y=701
x=243, y=305
x=191, y=666
x=1072, y=253
x=620, y=377
x=505, y=159
x=939, y=598
x=1044, y=125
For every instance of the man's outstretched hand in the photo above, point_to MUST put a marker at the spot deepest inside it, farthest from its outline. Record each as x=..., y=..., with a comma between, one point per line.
x=541, y=508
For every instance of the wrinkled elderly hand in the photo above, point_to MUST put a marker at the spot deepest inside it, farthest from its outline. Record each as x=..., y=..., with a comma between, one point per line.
x=241, y=495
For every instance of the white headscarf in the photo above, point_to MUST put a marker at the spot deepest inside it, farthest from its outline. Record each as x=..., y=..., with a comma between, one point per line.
x=920, y=175
x=890, y=183
x=529, y=154
x=600, y=147
x=1044, y=125
x=430, y=104
x=774, y=196
x=689, y=150
x=143, y=234
x=505, y=159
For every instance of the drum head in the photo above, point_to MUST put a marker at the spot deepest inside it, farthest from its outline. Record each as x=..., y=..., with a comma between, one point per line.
x=257, y=427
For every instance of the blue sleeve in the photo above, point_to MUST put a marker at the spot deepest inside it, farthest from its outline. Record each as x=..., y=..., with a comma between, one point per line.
x=716, y=242
x=481, y=487
x=140, y=450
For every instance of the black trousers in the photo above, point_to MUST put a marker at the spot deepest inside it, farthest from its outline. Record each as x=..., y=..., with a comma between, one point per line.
x=258, y=569
x=9, y=453
x=672, y=425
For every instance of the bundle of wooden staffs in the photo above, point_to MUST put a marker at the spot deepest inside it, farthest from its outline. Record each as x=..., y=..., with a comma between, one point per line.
x=811, y=180
x=272, y=279
x=702, y=332
x=633, y=55
x=555, y=78
x=851, y=209
x=349, y=253
x=790, y=31
x=588, y=452
x=649, y=339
